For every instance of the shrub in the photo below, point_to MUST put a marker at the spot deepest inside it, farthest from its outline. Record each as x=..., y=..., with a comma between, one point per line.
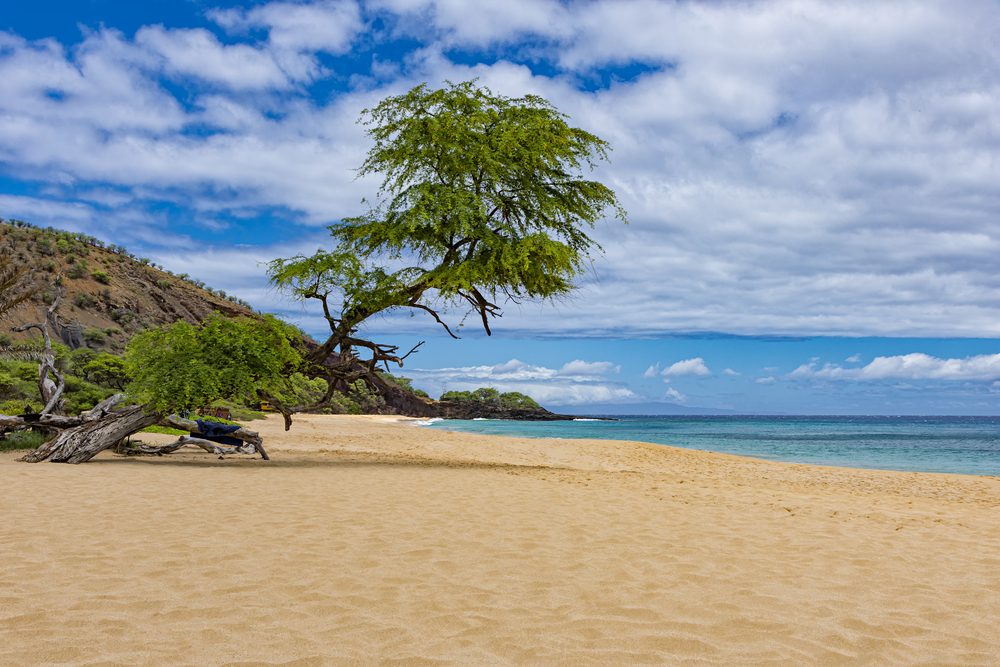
x=101, y=277
x=84, y=300
x=21, y=440
x=77, y=270
x=94, y=336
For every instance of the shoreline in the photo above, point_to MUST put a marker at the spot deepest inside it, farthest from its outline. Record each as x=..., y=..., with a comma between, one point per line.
x=368, y=540
x=424, y=422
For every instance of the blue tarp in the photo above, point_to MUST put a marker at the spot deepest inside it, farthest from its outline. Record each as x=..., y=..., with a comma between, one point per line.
x=216, y=432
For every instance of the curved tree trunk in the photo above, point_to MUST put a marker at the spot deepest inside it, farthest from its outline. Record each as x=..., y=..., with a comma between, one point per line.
x=84, y=442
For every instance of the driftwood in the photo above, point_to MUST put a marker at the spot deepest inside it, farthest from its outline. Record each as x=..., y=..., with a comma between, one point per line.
x=83, y=437
x=82, y=443
x=252, y=442
x=51, y=390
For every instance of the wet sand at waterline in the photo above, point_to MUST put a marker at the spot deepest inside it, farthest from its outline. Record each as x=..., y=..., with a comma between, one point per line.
x=368, y=540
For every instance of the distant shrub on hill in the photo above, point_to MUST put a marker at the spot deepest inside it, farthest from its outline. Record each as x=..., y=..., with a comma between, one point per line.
x=488, y=395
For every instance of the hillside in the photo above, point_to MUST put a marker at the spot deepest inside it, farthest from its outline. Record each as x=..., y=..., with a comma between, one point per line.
x=109, y=294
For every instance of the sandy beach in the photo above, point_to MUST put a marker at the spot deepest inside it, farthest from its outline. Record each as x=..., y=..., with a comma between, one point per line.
x=370, y=540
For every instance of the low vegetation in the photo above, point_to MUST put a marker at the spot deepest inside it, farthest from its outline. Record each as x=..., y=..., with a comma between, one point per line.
x=511, y=400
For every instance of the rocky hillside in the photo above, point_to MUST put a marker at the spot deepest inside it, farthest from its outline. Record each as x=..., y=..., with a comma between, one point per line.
x=108, y=293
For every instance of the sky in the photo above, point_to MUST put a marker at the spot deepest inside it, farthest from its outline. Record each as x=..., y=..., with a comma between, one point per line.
x=813, y=188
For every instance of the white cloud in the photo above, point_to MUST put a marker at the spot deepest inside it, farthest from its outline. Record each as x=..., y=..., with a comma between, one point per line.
x=766, y=380
x=589, y=368
x=675, y=395
x=695, y=366
x=198, y=54
x=482, y=24
x=652, y=371
x=730, y=372
x=853, y=359
x=576, y=383
x=862, y=135
x=914, y=366
x=329, y=26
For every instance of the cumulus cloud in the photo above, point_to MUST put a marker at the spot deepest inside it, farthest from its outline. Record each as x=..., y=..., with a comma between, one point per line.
x=853, y=359
x=914, y=366
x=200, y=55
x=579, y=367
x=863, y=137
x=576, y=383
x=328, y=26
x=695, y=366
x=675, y=395
x=652, y=371
x=730, y=372
x=766, y=380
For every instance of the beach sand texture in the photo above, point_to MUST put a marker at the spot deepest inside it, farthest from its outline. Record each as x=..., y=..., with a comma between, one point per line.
x=372, y=541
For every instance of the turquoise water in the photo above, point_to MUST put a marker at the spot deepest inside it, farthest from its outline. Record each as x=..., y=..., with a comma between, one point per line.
x=968, y=445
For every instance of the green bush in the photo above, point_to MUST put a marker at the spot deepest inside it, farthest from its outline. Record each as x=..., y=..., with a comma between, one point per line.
x=77, y=270
x=17, y=440
x=164, y=429
x=94, y=336
x=84, y=300
x=101, y=277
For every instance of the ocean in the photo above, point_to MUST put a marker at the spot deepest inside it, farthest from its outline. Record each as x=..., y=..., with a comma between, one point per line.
x=969, y=445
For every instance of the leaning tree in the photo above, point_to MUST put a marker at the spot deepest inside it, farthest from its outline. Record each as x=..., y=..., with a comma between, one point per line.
x=173, y=369
x=483, y=200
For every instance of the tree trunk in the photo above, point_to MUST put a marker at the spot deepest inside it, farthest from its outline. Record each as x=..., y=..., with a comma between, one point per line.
x=84, y=442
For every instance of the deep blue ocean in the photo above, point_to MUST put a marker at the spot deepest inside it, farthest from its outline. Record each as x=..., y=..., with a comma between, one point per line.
x=968, y=445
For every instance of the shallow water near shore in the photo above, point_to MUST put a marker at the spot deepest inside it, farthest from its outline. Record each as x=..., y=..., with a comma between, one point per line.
x=968, y=445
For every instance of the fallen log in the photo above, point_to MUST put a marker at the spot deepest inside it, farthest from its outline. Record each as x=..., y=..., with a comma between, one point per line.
x=186, y=440
x=83, y=437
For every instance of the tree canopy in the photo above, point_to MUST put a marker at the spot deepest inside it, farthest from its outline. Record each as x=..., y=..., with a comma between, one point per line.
x=183, y=366
x=483, y=199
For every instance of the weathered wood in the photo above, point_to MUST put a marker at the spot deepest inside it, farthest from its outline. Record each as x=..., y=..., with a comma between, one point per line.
x=185, y=440
x=103, y=426
x=250, y=437
x=60, y=421
x=84, y=442
x=50, y=390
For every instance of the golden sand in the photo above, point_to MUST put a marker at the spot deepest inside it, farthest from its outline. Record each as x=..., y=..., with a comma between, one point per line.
x=369, y=541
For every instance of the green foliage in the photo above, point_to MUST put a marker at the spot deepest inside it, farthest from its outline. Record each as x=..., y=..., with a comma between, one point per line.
x=16, y=286
x=485, y=185
x=77, y=270
x=182, y=366
x=457, y=396
x=82, y=395
x=156, y=428
x=19, y=386
x=483, y=192
x=300, y=390
x=512, y=400
x=517, y=400
x=84, y=300
x=94, y=336
x=101, y=277
x=106, y=370
x=26, y=439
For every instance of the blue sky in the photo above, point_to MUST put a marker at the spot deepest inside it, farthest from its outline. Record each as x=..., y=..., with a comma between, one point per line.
x=812, y=186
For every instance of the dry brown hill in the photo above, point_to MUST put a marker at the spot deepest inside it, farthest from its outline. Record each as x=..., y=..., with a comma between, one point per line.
x=108, y=293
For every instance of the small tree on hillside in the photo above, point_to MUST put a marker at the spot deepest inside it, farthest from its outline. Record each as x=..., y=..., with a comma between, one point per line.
x=482, y=201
